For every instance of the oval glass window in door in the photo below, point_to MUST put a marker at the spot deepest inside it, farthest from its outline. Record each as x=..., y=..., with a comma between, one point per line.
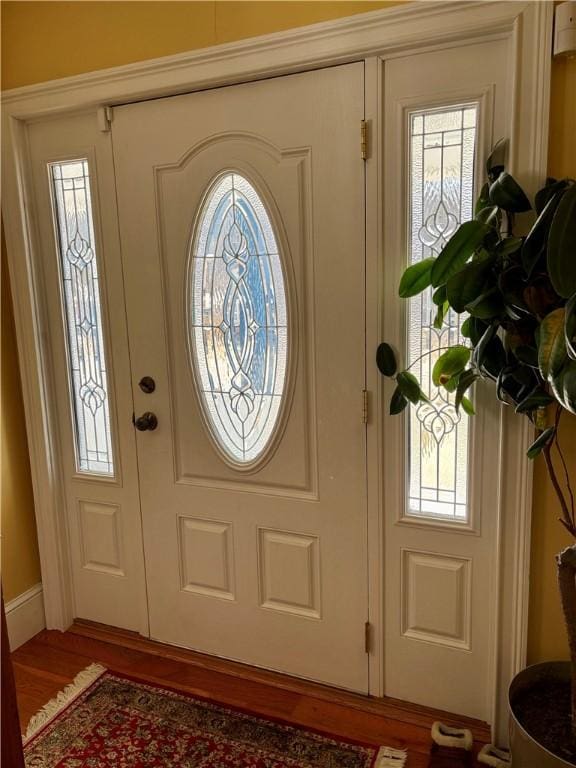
x=238, y=319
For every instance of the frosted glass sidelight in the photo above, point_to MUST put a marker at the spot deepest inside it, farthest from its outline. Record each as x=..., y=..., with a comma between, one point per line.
x=238, y=318
x=83, y=316
x=442, y=146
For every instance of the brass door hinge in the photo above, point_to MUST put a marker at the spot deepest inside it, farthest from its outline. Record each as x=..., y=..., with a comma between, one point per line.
x=367, y=637
x=364, y=406
x=104, y=117
x=363, y=139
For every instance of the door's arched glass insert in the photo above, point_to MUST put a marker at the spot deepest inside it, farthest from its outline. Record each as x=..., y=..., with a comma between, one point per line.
x=442, y=146
x=239, y=333
x=83, y=316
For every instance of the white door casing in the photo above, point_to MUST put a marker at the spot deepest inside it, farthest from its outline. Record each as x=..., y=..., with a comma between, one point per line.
x=387, y=34
x=269, y=565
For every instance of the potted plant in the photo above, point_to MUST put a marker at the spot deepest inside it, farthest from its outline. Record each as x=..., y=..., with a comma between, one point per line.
x=518, y=295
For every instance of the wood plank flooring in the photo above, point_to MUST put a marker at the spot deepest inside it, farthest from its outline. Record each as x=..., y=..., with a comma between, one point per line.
x=48, y=662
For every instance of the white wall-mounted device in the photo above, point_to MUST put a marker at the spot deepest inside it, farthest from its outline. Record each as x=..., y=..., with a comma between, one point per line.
x=565, y=29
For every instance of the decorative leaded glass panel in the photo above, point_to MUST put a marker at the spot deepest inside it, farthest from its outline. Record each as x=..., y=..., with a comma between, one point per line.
x=238, y=318
x=442, y=157
x=83, y=314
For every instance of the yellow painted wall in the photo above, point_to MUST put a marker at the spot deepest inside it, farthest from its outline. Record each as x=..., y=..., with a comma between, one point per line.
x=20, y=564
x=47, y=40
x=547, y=639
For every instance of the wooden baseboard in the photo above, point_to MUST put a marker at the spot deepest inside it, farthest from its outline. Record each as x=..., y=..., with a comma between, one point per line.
x=386, y=706
x=25, y=616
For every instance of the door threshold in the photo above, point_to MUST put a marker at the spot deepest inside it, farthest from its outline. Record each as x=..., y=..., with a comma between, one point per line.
x=386, y=706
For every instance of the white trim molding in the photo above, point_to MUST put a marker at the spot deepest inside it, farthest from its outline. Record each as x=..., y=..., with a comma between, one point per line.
x=25, y=616
x=394, y=31
x=385, y=34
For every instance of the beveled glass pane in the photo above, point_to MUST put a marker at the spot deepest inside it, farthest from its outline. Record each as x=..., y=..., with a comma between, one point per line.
x=238, y=333
x=442, y=146
x=83, y=316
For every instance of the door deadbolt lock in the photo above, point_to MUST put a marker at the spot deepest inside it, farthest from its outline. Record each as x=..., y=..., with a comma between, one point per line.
x=147, y=422
x=147, y=384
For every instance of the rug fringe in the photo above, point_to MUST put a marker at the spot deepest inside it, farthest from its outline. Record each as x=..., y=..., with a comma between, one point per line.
x=83, y=680
x=390, y=758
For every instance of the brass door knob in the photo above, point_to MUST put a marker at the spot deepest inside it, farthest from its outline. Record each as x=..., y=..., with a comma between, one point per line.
x=146, y=422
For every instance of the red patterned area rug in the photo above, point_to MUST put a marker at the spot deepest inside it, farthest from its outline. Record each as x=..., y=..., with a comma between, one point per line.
x=108, y=720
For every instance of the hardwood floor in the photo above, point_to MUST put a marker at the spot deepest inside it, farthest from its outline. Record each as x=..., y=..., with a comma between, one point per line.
x=45, y=664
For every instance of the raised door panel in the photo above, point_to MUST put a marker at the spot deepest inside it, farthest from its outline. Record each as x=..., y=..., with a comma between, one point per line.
x=436, y=598
x=289, y=572
x=282, y=179
x=207, y=557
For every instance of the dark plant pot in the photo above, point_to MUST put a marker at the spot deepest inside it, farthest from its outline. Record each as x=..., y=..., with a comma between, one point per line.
x=527, y=752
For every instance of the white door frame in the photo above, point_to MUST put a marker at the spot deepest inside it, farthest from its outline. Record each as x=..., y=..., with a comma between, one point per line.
x=370, y=37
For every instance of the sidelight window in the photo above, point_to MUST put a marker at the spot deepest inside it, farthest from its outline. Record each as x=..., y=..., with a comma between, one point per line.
x=83, y=316
x=442, y=147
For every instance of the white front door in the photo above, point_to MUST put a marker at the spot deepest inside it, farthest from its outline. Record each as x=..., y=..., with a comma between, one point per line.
x=242, y=216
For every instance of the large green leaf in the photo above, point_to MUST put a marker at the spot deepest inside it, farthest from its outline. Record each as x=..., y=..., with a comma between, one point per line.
x=511, y=284
x=543, y=195
x=457, y=251
x=537, y=398
x=469, y=283
x=416, y=278
x=507, y=194
x=509, y=245
x=397, y=402
x=564, y=386
x=552, y=344
x=541, y=442
x=570, y=327
x=501, y=384
x=493, y=357
x=451, y=362
x=473, y=328
x=483, y=199
x=508, y=388
x=466, y=380
x=562, y=245
x=452, y=383
x=487, y=305
x=525, y=375
x=526, y=354
x=481, y=344
x=386, y=359
x=439, y=296
x=409, y=386
x=441, y=313
x=535, y=243
x=491, y=216
x=496, y=159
